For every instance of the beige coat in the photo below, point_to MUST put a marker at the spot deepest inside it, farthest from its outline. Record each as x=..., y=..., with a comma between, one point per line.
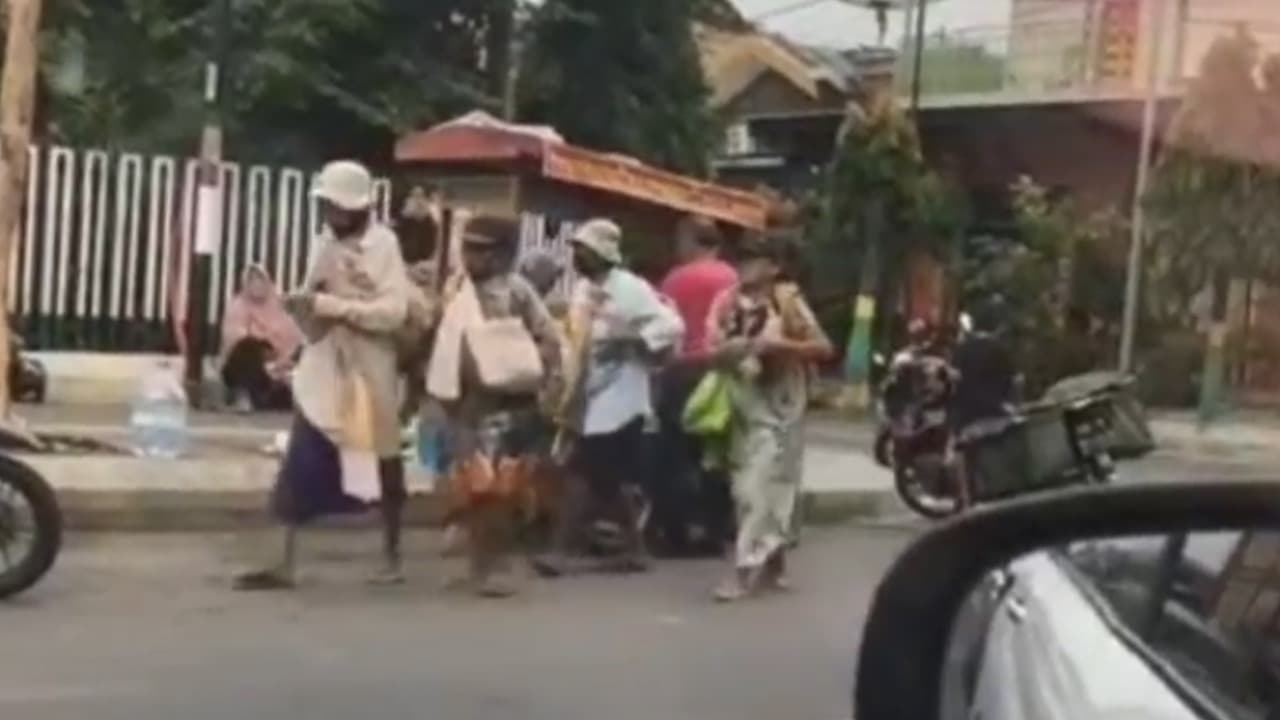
x=362, y=292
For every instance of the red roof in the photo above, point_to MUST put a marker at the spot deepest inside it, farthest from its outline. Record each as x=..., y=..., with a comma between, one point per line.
x=460, y=143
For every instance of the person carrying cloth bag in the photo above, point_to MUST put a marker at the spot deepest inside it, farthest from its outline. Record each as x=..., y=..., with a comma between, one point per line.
x=343, y=451
x=496, y=349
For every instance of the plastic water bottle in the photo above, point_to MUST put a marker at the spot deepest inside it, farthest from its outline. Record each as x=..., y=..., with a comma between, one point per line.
x=158, y=422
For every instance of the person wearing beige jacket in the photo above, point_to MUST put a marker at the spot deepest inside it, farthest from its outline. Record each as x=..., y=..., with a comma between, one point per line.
x=343, y=453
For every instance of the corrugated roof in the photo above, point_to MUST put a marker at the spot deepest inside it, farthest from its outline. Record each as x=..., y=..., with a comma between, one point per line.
x=731, y=61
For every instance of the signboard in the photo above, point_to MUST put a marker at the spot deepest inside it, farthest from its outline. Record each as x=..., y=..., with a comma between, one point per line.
x=1119, y=22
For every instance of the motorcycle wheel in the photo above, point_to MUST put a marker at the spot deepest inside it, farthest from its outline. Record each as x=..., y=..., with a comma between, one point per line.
x=911, y=489
x=30, y=527
x=882, y=450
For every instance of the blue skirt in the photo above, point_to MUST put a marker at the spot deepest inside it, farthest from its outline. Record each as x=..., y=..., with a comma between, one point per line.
x=309, y=484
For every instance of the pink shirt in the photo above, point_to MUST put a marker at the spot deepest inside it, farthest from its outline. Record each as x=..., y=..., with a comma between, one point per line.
x=693, y=287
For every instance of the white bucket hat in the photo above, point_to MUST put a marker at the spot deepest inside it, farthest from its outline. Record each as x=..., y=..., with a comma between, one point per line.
x=601, y=236
x=345, y=183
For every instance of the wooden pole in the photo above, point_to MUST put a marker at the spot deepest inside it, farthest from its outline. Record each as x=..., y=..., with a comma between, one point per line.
x=17, y=104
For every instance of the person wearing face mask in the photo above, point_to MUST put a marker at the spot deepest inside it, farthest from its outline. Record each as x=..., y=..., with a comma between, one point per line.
x=496, y=350
x=764, y=335
x=350, y=306
x=619, y=328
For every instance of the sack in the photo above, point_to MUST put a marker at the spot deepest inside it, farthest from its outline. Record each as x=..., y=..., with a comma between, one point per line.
x=357, y=414
x=505, y=356
x=360, y=474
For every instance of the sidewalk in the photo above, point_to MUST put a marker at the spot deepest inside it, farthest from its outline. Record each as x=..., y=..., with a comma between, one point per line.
x=224, y=481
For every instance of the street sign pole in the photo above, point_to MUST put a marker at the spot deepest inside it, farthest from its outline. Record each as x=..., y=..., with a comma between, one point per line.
x=209, y=199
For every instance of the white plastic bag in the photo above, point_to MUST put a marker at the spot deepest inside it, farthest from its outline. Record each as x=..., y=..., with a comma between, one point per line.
x=360, y=474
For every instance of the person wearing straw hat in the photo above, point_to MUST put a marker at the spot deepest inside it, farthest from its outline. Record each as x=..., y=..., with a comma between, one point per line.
x=619, y=326
x=343, y=451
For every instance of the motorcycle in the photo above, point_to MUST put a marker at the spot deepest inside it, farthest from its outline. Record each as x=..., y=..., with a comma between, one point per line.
x=30, y=526
x=914, y=438
x=1068, y=437
x=30, y=517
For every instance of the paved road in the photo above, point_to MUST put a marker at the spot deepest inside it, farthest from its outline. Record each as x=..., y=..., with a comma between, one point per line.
x=143, y=628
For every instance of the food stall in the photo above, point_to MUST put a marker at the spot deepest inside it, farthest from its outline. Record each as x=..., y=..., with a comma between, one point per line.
x=530, y=173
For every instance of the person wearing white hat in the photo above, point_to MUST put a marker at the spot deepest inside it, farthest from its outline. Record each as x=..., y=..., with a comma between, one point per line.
x=343, y=451
x=621, y=327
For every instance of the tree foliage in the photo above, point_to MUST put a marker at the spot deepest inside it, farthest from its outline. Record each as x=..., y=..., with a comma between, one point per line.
x=305, y=79
x=621, y=77
x=879, y=170
x=1058, y=264
x=1212, y=200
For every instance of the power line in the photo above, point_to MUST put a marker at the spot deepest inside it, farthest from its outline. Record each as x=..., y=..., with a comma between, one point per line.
x=787, y=9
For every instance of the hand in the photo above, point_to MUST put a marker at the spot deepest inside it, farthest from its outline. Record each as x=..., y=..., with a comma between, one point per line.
x=300, y=304
x=775, y=346
x=735, y=349
x=423, y=273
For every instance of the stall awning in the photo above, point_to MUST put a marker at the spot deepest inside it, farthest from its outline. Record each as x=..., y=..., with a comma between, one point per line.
x=479, y=139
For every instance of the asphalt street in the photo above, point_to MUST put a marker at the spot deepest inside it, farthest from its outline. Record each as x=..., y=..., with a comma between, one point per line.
x=144, y=627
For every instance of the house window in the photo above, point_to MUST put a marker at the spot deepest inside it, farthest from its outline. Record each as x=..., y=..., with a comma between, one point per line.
x=738, y=140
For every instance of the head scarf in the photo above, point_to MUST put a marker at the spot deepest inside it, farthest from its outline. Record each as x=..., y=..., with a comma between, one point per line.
x=263, y=318
x=542, y=268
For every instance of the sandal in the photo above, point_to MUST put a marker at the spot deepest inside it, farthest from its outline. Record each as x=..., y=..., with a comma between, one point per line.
x=263, y=581
x=387, y=577
x=731, y=589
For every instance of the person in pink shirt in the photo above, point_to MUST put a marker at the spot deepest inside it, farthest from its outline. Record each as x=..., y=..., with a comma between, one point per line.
x=683, y=494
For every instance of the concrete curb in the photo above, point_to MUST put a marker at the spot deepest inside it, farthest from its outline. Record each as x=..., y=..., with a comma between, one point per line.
x=121, y=493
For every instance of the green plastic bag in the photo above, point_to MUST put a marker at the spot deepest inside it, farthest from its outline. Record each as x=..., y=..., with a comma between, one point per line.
x=708, y=410
x=708, y=414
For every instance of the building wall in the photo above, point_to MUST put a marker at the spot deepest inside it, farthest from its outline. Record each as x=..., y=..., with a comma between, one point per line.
x=1064, y=42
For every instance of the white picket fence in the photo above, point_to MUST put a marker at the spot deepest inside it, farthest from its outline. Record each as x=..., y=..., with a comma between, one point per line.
x=107, y=236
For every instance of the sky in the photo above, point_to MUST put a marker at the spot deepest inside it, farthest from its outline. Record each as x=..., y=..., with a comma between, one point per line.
x=837, y=24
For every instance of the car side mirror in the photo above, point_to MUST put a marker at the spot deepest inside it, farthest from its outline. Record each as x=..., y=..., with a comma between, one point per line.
x=1085, y=602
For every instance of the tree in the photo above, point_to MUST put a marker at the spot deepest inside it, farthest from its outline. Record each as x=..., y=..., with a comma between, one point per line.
x=1058, y=264
x=308, y=79
x=620, y=77
x=882, y=204
x=1211, y=199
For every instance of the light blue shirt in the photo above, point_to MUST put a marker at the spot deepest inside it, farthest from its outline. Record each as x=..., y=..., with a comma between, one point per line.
x=618, y=388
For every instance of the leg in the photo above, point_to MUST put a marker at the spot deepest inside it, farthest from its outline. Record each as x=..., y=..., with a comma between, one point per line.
x=489, y=523
x=675, y=461
x=630, y=445
x=394, y=493
x=280, y=577
x=759, y=530
x=571, y=517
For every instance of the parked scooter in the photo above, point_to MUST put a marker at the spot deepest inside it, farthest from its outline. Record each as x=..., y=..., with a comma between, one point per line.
x=30, y=526
x=30, y=518
x=1071, y=436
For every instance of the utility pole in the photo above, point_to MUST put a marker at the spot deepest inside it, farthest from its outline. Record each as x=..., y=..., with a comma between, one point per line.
x=917, y=66
x=209, y=198
x=1137, y=238
x=17, y=105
